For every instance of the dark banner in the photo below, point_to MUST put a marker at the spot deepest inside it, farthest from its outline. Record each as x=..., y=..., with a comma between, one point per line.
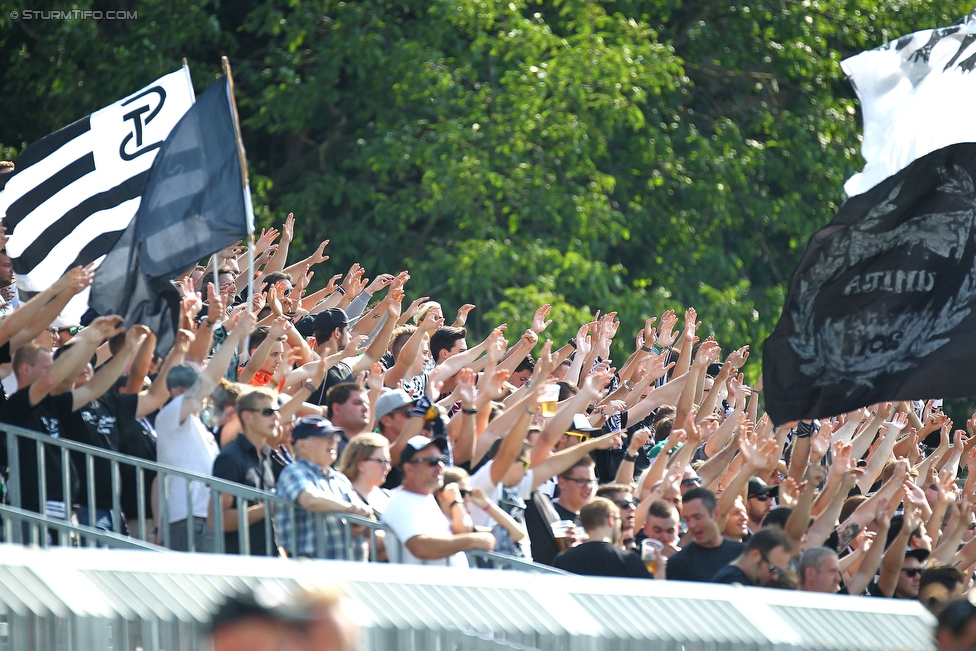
x=193, y=206
x=881, y=305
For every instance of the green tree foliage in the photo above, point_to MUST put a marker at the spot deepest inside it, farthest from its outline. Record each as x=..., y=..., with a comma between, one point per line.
x=619, y=155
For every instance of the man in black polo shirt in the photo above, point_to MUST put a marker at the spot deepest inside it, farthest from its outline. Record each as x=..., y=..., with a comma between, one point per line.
x=599, y=556
x=246, y=460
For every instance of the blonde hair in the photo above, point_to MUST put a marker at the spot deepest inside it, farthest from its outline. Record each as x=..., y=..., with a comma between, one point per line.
x=358, y=449
x=253, y=396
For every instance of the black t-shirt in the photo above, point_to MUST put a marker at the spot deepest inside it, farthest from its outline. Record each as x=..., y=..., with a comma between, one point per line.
x=566, y=514
x=338, y=374
x=694, y=563
x=101, y=423
x=600, y=558
x=731, y=574
x=540, y=513
x=240, y=462
x=138, y=440
x=46, y=417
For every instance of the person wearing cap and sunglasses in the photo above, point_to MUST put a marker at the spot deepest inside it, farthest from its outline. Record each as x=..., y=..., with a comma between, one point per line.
x=759, y=502
x=766, y=557
x=415, y=516
x=245, y=460
x=313, y=484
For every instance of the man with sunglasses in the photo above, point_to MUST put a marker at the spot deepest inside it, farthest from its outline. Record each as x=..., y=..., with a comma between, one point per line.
x=759, y=502
x=245, y=460
x=415, y=516
x=313, y=484
x=766, y=557
x=623, y=496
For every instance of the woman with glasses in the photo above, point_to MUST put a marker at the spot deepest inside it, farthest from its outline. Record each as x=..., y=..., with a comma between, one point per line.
x=366, y=463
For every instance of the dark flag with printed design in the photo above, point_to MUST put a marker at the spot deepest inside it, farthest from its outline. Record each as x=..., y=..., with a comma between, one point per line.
x=883, y=303
x=193, y=206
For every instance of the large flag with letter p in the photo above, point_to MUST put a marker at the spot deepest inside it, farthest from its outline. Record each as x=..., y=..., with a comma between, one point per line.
x=75, y=191
x=194, y=205
x=883, y=303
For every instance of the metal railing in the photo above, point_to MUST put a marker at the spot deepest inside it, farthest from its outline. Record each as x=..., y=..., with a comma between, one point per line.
x=242, y=497
x=24, y=526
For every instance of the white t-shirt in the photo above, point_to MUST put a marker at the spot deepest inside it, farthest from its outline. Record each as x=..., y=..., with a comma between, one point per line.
x=412, y=514
x=495, y=492
x=187, y=446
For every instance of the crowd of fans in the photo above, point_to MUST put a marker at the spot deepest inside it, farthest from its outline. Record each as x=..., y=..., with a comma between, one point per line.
x=346, y=401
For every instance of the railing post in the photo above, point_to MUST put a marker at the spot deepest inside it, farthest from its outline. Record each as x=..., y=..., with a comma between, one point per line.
x=164, y=509
x=191, y=519
x=217, y=513
x=243, y=530
x=90, y=495
x=116, y=498
x=141, y=501
x=13, y=483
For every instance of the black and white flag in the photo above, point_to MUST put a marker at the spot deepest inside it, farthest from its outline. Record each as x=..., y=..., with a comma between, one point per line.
x=883, y=304
x=195, y=204
x=75, y=191
x=917, y=96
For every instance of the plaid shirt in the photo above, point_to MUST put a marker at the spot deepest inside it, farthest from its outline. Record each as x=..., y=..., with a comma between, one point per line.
x=298, y=476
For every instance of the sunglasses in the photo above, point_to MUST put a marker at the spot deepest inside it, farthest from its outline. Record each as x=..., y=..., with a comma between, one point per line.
x=525, y=463
x=431, y=461
x=73, y=330
x=267, y=411
x=691, y=481
x=382, y=462
x=627, y=504
x=465, y=493
x=580, y=482
x=762, y=497
x=774, y=570
x=582, y=436
x=912, y=572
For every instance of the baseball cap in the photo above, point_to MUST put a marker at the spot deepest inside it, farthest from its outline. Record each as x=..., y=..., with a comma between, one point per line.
x=391, y=400
x=418, y=443
x=582, y=424
x=920, y=554
x=758, y=487
x=314, y=426
x=182, y=376
x=328, y=320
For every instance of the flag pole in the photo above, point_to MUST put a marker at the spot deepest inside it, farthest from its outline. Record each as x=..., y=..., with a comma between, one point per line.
x=248, y=207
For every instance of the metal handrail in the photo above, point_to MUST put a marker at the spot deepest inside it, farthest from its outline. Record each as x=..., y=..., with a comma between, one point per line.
x=505, y=562
x=90, y=536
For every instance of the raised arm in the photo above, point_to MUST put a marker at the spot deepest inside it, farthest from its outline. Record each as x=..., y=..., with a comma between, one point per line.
x=217, y=366
x=106, y=376
x=563, y=460
x=379, y=345
x=23, y=321
x=68, y=365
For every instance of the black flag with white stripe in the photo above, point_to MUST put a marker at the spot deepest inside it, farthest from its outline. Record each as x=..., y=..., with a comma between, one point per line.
x=75, y=191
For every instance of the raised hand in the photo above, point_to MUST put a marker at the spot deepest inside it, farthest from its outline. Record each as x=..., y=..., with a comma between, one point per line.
x=738, y=357
x=539, y=322
x=462, y=314
x=266, y=241
x=376, y=377
x=466, y=387
x=665, y=329
x=319, y=256
x=288, y=230
x=381, y=281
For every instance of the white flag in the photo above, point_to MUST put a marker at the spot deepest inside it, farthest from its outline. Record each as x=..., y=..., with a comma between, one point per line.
x=74, y=192
x=917, y=96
